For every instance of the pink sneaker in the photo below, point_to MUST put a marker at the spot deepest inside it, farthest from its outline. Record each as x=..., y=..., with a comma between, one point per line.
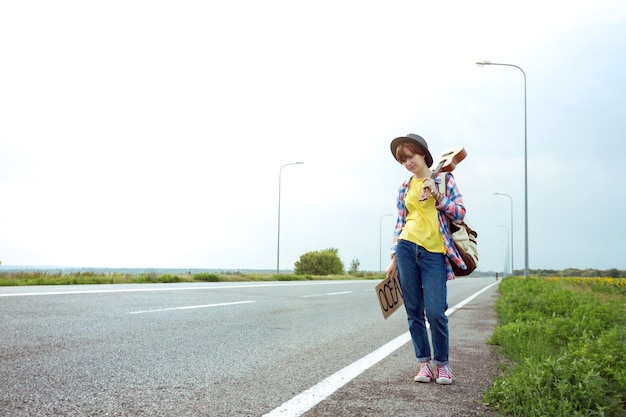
x=444, y=375
x=425, y=374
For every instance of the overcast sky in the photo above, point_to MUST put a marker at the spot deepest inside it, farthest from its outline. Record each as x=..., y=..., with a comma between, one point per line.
x=151, y=134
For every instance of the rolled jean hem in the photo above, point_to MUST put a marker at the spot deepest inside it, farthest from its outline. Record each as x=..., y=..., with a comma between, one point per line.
x=439, y=363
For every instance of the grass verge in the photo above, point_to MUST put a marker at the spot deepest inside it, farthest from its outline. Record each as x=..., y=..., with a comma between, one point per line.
x=564, y=346
x=58, y=278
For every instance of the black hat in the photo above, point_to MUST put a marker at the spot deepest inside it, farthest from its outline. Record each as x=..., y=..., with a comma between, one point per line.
x=416, y=139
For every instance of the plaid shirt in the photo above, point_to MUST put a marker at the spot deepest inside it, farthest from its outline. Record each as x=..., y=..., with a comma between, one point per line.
x=451, y=205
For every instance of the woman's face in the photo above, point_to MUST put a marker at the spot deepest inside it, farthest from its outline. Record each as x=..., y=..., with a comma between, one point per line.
x=413, y=162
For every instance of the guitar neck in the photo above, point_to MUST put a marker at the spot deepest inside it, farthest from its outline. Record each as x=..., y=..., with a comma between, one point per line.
x=437, y=169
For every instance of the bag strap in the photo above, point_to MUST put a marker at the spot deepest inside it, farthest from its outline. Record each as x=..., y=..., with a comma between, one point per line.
x=443, y=183
x=443, y=189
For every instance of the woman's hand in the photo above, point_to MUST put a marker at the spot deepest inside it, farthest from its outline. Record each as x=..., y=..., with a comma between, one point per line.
x=429, y=188
x=431, y=185
x=391, y=269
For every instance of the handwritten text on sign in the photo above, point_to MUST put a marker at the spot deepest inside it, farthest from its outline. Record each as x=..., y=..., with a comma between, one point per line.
x=389, y=295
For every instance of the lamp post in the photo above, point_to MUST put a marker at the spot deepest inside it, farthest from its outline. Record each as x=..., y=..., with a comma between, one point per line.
x=280, y=171
x=512, y=253
x=507, y=243
x=380, y=242
x=481, y=63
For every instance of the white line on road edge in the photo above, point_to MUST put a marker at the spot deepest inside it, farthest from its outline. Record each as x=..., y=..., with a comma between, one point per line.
x=328, y=293
x=308, y=399
x=149, y=288
x=303, y=402
x=190, y=307
x=460, y=305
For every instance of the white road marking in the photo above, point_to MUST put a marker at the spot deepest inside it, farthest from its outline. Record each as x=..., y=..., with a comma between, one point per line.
x=460, y=305
x=308, y=399
x=189, y=307
x=328, y=293
x=149, y=288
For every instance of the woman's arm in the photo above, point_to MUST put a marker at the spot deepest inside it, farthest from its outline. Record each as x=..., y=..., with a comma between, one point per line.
x=401, y=220
x=452, y=202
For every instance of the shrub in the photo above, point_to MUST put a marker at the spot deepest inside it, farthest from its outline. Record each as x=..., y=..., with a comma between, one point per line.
x=354, y=267
x=208, y=277
x=165, y=278
x=324, y=262
x=150, y=277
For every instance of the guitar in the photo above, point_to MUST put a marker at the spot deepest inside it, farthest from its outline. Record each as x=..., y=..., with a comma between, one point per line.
x=447, y=161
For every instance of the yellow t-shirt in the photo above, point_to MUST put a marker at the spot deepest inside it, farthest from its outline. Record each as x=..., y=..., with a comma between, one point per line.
x=422, y=221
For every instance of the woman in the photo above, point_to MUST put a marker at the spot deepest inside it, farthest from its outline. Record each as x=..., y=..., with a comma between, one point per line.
x=421, y=254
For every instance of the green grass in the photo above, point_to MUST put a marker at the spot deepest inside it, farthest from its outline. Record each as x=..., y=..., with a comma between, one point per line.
x=58, y=278
x=564, y=350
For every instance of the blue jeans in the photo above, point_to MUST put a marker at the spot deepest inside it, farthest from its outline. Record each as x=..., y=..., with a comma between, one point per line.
x=423, y=281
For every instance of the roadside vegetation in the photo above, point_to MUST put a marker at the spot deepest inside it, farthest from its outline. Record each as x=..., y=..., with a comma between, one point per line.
x=321, y=262
x=75, y=278
x=325, y=264
x=563, y=343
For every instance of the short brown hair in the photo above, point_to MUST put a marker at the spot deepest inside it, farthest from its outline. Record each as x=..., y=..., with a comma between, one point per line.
x=409, y=146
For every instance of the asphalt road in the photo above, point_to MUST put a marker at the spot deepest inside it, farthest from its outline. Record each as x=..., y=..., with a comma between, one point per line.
x=214, y=349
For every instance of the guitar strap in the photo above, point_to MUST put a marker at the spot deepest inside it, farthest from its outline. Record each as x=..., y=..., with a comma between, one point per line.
x=443, y=189
x=443, y=186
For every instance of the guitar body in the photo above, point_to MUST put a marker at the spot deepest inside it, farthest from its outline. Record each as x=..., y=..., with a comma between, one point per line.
x=449, y=159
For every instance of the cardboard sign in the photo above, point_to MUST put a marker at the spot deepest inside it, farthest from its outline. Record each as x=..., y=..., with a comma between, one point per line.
x=389, y=295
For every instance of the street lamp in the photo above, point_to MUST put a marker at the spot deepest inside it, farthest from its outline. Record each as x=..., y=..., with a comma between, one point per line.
x=278, y=240
x=512, y=253
x=507, y=242
x=380, y=242
x=481, y=63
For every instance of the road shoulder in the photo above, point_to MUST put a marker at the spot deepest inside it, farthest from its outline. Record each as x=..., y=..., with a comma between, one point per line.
x=388, y=387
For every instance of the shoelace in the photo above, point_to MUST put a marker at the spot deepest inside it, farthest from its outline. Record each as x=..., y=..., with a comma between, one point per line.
x=445, y=372
x=426, y=371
